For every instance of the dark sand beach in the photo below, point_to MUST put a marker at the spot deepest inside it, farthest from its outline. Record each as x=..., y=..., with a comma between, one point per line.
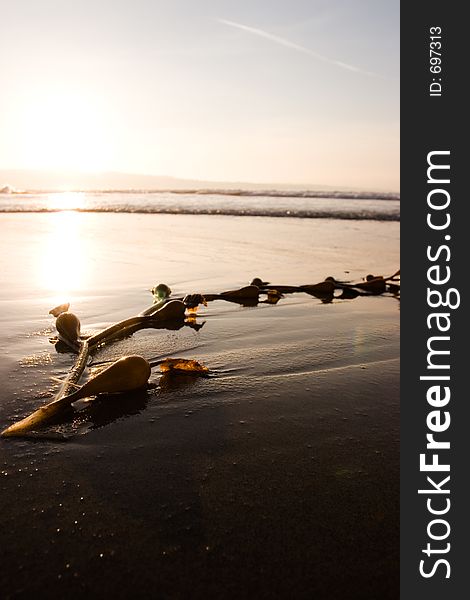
x=276, y=477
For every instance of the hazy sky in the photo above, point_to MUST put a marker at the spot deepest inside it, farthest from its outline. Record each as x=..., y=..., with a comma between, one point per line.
x=295, y=91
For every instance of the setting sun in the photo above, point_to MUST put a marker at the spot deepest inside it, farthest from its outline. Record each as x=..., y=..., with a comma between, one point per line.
x=63, y=129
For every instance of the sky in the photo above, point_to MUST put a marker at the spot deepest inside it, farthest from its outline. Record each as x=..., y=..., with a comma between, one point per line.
x=298, y=91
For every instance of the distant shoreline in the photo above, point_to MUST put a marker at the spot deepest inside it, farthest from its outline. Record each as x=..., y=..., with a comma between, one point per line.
x=51, y=181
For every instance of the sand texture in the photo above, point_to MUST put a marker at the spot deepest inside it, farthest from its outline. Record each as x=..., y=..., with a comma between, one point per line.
x=275, y=477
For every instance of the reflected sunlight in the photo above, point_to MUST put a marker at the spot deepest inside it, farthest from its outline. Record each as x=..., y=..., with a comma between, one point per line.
x=63, y=262
x=66, y=200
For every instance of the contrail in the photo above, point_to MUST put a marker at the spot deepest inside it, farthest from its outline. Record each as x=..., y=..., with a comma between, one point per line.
x=289, y=44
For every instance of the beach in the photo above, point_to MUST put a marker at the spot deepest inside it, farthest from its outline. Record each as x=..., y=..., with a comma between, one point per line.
x=275, y=477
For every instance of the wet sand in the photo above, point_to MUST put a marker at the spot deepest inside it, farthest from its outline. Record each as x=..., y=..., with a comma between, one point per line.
x=276, y=477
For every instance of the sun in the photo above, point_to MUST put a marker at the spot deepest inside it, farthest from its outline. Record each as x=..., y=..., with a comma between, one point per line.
x=65, y=129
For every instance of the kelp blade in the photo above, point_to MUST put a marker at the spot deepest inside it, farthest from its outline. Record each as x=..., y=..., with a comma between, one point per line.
x=37, y=419
x=183, y=365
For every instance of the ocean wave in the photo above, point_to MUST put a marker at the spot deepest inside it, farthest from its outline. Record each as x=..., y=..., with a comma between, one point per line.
x=299, y=214
x=335, y=194
x=341, y=195
x=281, y=205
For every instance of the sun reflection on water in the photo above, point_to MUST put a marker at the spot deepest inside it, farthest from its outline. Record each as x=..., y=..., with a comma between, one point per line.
x=66, y=200
x=63, y=261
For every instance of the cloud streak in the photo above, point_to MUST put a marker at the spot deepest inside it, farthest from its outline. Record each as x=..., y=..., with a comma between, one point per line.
x=293, y=46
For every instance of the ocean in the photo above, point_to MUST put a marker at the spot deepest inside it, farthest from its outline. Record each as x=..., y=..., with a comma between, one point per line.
x=305, y=204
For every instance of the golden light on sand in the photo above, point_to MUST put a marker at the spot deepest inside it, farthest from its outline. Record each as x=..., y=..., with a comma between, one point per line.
x=63, y=262
x=64, y=129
